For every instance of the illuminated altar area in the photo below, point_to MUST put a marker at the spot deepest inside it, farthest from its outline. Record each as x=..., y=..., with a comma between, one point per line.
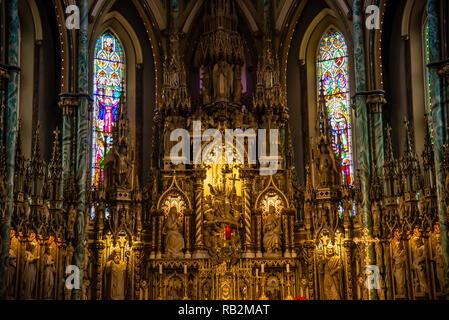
x=222, y=150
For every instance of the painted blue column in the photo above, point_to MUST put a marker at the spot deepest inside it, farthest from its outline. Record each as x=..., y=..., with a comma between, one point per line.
x=438, y=127
x=10, y=132
x=83, y=141
x=362, y=125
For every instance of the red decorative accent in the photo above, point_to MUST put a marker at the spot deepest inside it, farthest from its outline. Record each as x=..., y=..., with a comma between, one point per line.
x=300, y=298
x=228, y=232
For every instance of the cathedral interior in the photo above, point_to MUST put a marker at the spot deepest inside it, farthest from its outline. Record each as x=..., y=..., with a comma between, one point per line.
x=332, y=182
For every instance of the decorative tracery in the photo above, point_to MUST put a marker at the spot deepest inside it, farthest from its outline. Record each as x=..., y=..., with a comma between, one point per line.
x=109, y=70
x=334, y=76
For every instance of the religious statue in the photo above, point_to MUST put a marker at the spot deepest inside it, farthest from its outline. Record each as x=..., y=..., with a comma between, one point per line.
x=237, y=83
x=29, y=272
x=439, y=265
x=399, y=265
x=124, y=165
x=326, y=167
x=86, y=286
x=11, y=277
x=272, y=233
x=71, y=221
x=376, y=218
x=206, y=88
x=419, y=266
x=222, y=79
x=332, y=275
x=174, y=241
x=115, y=277
x=49, y=275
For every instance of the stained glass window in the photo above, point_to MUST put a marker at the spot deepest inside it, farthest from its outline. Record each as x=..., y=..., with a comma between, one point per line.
x=333, y=74
x=108, y=80
x=427, y=74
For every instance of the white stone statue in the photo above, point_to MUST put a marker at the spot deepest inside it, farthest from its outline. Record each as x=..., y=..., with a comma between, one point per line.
x=272, y=233
x=49, y=275
x=11, y=277
x=174, y=241
x=399, y=264
x=439, y=263
x=419, y=266
x=29, y=273
x=115, y=277
x=71, y=221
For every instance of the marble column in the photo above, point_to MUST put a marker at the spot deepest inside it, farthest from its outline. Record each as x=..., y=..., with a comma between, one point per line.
x=83, y=141
x=439, y=127
x=12, y=27
x=361, y=124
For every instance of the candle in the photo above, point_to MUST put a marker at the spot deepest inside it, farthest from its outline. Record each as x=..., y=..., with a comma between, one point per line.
x=288, y=267
x=160, y=269
x=263, y=268
x=185, y=269
x=228, y=232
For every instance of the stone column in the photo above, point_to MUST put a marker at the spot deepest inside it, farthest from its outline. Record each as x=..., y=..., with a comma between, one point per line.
x=439, y=128
x=12, y=27
x=375, y=102
x=68, y=104
x=349, y=246
x=199, y=250
x=361, y=124
x=83, y=141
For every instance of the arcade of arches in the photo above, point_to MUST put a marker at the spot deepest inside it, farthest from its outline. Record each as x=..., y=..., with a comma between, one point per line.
x=353, y=117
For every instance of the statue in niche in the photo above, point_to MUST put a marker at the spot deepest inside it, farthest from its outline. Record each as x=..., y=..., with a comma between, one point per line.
x=71, y=221
x=124, y=165
x=332, y=275
x=206, y=87
x=244, y=292
x=86, y=286
x=439, y=265
x=419, y=266
x=49, y=275
x=237, y=83
x=11, y=277
x=376, y=217
x=222, y=79
x=399, y=265
x=206, y=291
x=174, y=241
x=272, y=233
x=115, y=277
x=29, y=272
x=326, y=167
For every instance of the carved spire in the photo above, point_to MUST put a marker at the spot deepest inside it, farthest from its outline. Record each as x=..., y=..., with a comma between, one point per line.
x=390, y=165
x=269, y=95
x=122, y=129
x=175, y=99
x=37, y=166
x=428, y=157
x=410, y=170
x=55, y=169
x=323, y=125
